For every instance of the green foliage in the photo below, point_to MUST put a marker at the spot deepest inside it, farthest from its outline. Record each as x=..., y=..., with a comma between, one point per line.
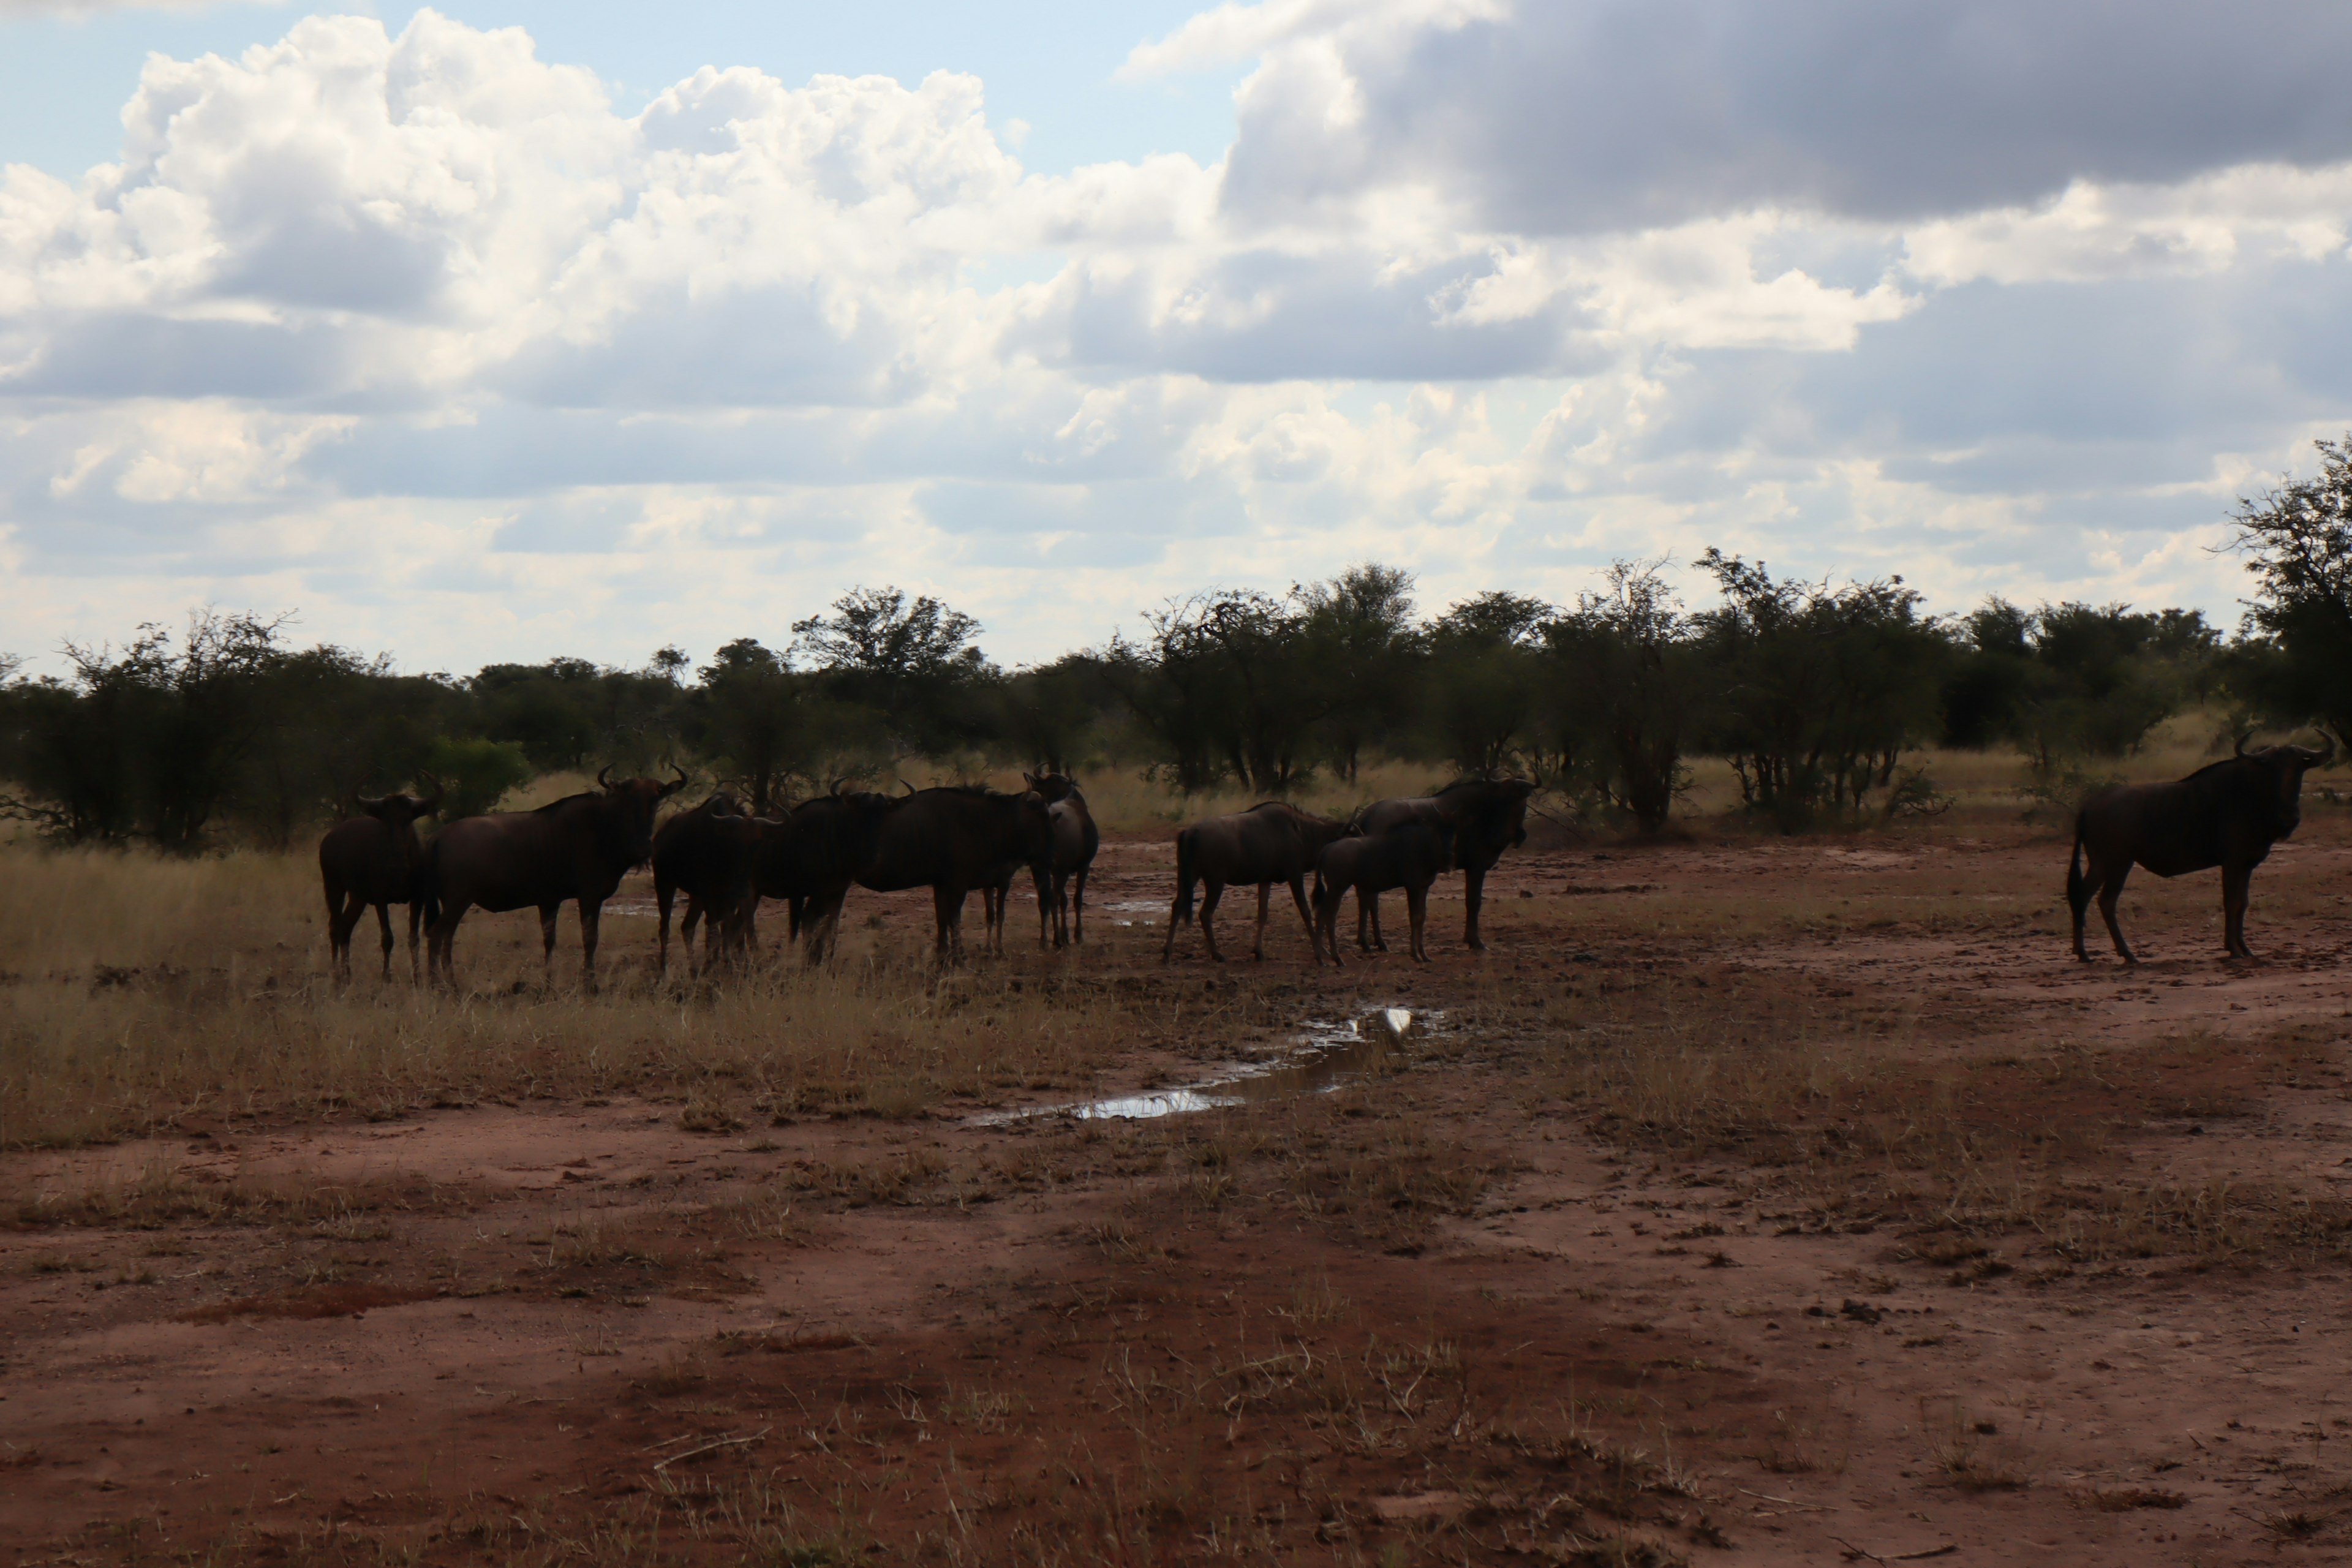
x=477, y=773
x=1627, y=680
x=1820, y=689
x=2298, y=543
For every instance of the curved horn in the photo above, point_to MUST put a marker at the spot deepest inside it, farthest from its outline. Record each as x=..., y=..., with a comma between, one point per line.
x=603, y=782
x=835, y=790
x=907, y=787
x=368, y=802
x=432, y=803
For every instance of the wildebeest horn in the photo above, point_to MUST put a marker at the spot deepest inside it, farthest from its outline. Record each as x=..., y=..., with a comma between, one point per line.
x=432, y=803
x=677, y=784
x=907, y=787
x=835, y=790
x=368, y=802
x=602, y=781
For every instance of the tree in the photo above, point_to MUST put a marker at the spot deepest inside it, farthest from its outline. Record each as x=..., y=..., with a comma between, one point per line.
x=1482, y=678
x=2297, y=538
x=1627, y=680
x=747, y=719
x=1822, y=688
x=914, y=665
x=1358, y=638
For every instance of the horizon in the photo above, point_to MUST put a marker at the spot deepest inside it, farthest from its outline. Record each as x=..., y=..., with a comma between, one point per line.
x=508, y=332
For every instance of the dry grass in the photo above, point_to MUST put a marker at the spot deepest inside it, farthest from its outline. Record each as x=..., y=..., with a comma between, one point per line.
x=146, y=991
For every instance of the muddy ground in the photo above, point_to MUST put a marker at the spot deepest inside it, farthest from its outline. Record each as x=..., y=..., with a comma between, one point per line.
x=1445, y=1301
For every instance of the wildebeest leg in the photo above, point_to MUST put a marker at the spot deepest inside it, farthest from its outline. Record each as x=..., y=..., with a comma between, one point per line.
x=823, y=922
x=384, y=924
x=947, y=914
x=415, y=918
x=1211, y=891
x=590, y=916
x=1325, y=931
x=2111, y=887
x=1049, y=924
x=1079, y=906
x=1264, y=892
x=1416, y=909
x=441, y=942
x=663, y=895
x=339, y=922
x=1474, y=893
x=1305, y=915
x=1368, y=910
x=547, y=913
x=2236, y=880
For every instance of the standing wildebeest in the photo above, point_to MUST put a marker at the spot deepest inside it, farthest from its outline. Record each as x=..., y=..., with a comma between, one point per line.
x=1269, y=842
x=810, y=857
x=1062, y=886
x=705, y=853
x=578, y=847
x=1410, y=856
x=1484, y=816
x=2228, y=815
x=374, y=858
x=956, y=840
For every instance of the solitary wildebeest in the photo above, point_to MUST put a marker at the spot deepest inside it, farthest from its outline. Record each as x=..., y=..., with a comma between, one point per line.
x=706, y=853
x=374, y=858
x=2228, y=815
x=809, y=857
x=1062, y=890
x=578, y=847
x=1484, y=817
x=1269, y=842
x=956, y=840
x=1410, y=856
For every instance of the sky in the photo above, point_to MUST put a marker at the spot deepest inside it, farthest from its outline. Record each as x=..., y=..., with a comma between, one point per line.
x=494, y=332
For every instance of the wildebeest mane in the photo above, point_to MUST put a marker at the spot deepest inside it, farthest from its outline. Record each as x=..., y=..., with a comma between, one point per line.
x=567, y=800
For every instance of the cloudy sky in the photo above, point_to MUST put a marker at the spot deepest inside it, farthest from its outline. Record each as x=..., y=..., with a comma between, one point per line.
x=497, y=330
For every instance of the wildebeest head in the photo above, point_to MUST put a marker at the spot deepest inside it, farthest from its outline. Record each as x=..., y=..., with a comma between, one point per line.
x=630, y=804
x=1052, y=786
x=2281, y=769
x=399, y=810
x=1488, y=815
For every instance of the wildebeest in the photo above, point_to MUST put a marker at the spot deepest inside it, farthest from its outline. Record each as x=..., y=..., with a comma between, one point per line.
x=1485, y=817
x=1409, y=855
x=374, y=858
x=1061, y=889
x=810, y=857
x=2228, y=815
x=1269, y=842
x=578, y=847
x=706, y=853
x=956, y=840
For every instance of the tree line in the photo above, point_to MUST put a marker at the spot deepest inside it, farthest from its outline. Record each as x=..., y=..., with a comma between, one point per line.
x=1813, y=692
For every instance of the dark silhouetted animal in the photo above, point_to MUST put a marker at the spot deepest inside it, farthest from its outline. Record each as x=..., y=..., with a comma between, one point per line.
x=811, y=855
x=1062, y=891
x=1269, y=842
x=1409, y=855
x=1484, y=817
x=956, y=840
x=2228, y=815
x=576, y=848
x=706, y=853
x=374, y=858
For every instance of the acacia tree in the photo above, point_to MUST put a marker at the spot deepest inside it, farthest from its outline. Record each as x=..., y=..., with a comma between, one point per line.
x=911, y=664
x=2297, y=538
x=1358, y=641
x=1627, y=681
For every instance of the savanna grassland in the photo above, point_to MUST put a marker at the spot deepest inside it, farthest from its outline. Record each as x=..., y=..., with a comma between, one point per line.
x=1753, y=1200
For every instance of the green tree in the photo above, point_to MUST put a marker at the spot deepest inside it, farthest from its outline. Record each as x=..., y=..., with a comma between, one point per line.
x=2297, y=540
x=1627, y=681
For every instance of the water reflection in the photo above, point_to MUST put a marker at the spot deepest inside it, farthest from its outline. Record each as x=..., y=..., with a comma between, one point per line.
x=1326, y=1055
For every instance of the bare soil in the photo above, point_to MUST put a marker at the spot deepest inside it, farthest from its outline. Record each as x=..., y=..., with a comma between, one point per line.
x=2020, y=1260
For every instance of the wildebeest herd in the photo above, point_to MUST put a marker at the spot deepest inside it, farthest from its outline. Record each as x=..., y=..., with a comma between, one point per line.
x=958, y=840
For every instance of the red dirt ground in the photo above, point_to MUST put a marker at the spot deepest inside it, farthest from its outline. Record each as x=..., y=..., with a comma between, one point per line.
x=536, y=1329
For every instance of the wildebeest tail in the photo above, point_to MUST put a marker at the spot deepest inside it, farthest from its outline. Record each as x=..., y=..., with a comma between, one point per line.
x=428, y=887
x=1187, y=854
x=2077, y=889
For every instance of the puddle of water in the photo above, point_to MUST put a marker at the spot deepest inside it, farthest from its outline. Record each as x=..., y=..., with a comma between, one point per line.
x=1327, y=1055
